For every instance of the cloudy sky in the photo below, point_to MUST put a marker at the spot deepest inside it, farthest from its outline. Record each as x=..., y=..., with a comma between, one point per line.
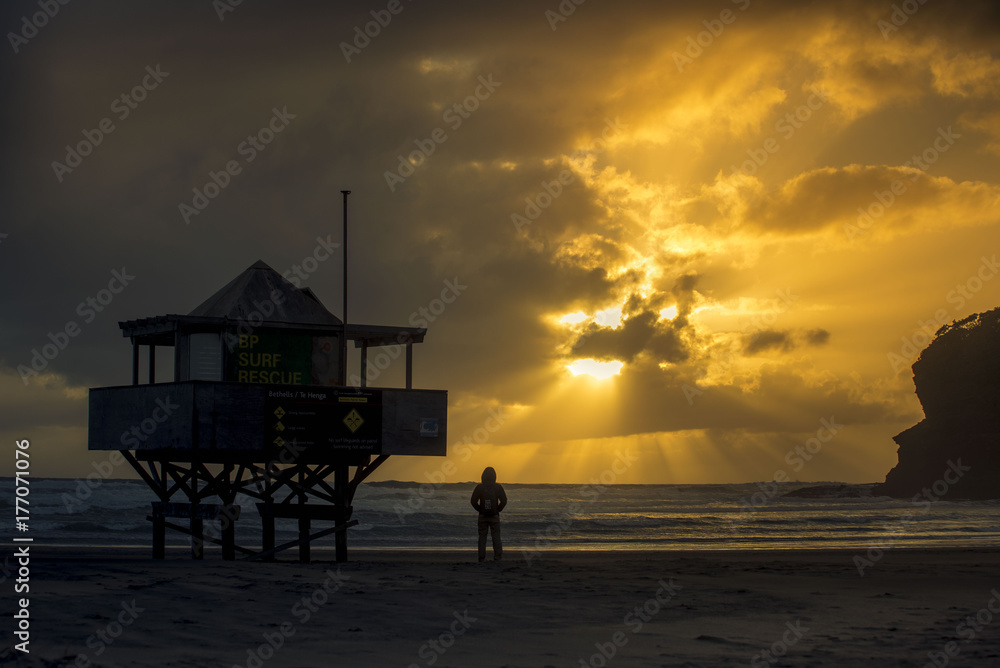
x=754, y=212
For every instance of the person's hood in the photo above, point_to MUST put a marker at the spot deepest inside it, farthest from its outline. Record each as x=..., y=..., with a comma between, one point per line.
x=489, y=475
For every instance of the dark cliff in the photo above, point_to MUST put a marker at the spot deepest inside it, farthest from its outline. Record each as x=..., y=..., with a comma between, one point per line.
x=957, y=379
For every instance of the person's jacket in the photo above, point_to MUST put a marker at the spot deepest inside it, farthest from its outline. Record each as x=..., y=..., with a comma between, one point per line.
x=489, y=498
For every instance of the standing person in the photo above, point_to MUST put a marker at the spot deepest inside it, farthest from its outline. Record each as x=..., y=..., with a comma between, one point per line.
x=489, y=499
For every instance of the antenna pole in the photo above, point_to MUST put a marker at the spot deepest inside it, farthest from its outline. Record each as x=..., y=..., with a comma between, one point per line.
x=343, y=342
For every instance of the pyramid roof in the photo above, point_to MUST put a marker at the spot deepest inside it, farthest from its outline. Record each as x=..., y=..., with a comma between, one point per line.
x=262, y=296
x=262, y=291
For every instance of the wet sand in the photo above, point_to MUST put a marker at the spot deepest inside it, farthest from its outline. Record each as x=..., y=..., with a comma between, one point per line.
x=118, y=607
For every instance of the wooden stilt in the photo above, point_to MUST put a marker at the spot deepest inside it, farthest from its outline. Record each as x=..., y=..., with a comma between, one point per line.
x=185, y=530
x=268, y=555
x=228, y=540
x=135, y=361
x=228, y=518
x=158, y=483
x=409, y=366
x=160, y=530
x=342, y=487
x=197, y=538
x=303, y=536
x=267, y=533
x=298, y=487
x=303, y=522
x=197, y=524
x=364, y=365
x=159, y=536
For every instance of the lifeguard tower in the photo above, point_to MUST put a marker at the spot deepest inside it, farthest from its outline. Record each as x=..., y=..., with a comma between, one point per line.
x=259, y=405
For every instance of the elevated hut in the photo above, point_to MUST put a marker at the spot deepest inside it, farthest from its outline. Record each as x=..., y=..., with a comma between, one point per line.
x=259, y=405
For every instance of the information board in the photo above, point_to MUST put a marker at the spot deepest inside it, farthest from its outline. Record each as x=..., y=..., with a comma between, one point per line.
x=343, y=419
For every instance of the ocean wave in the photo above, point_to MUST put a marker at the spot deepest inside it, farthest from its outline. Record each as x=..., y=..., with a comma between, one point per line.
x=93, y=527
x=661, y=516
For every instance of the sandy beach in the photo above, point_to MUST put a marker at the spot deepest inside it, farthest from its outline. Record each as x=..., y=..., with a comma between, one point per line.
x=107, y=607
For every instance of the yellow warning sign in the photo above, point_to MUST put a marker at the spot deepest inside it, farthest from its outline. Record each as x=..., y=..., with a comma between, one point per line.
x=353, y=420
x=280, y=412
x=279, y=441
x=279, y=427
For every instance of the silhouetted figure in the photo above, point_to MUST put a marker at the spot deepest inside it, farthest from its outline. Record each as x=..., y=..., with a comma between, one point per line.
x=489, y=499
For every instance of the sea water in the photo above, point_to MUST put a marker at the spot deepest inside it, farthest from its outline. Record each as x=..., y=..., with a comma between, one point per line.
x=407, y=515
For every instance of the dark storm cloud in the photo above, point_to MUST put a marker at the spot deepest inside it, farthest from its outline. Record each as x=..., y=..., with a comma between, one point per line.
x=767, y=340
x=783, y=341
x=817, y=337
x=683, y=292
x=829, y=196
x=451, y=219
x=645, y=331
x=352, y=121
